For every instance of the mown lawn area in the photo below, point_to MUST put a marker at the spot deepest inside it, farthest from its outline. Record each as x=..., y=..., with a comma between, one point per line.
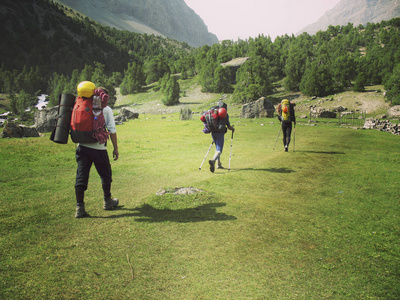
x=320, y=222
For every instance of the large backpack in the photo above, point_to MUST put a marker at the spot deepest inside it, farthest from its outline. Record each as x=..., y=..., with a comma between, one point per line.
x=82, y=121
x=286, y=117
x=212, y=121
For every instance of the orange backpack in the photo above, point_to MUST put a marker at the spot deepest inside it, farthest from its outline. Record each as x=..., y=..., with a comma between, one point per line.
x=82, y=121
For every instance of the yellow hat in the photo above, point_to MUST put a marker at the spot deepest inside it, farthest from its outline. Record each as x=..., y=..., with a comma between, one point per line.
x=86, y=89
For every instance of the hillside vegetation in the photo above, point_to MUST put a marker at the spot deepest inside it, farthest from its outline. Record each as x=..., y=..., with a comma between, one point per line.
x=66, y=48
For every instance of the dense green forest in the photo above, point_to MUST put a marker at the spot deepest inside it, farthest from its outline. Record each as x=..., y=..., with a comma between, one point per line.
x=49, y=49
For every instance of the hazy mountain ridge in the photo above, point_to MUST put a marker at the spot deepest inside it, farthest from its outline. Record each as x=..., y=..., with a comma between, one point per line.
x=168, y=18
x=356, y=12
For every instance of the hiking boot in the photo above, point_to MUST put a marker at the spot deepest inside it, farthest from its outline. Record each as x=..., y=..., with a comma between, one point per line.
x=81, y=212
x=212, y=165
x=110, y=203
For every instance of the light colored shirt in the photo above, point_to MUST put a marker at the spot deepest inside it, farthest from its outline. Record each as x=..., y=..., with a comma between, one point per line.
x=110, y=125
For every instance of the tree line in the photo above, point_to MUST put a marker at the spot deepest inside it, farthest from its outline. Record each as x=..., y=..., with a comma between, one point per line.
x=328, y=62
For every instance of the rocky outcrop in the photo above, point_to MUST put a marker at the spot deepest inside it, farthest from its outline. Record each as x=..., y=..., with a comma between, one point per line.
x=355, y=12
x=169, y=18
x=320, y=112
x=262, y=108
x=46, y=119
x=394, y=112
x=12, y=130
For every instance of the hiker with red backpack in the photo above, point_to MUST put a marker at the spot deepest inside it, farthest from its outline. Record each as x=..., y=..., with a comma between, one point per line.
x=92, y=123
x=216, y=122
x=286, y=115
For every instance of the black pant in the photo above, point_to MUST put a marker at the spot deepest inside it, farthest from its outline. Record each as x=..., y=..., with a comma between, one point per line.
x=287, y=132
x=85, y=157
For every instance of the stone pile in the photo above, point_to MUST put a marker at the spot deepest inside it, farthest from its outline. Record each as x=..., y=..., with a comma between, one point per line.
x=382, y=125
x=179, y=191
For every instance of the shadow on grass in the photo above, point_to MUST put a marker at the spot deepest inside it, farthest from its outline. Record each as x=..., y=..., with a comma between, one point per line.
x=150, y=214
x=323, y=152
x=188, y=103
x=272, y=170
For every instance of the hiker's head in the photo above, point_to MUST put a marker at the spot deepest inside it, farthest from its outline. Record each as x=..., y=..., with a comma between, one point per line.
x=85, y=89
x=222, y=104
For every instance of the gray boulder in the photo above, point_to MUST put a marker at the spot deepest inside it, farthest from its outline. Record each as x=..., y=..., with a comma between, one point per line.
x=185, y=114
x=339, y=108
x=46, y=119
x=262, y=108
x=394, y=112
x=128, y=113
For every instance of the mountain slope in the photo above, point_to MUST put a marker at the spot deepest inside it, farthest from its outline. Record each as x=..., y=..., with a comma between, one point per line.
x=356, y=12
x=168, y=18
x=58, y=39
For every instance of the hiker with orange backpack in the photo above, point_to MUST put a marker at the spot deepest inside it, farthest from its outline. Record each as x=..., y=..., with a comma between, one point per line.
x=92, y=122
x=286, y=115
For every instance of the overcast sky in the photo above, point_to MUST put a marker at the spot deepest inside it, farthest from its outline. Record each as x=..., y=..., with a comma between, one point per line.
x=234, y=19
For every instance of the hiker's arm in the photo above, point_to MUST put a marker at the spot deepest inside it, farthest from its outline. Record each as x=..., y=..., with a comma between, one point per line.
x=228, y=124
x=113, y=137
x=294, y=117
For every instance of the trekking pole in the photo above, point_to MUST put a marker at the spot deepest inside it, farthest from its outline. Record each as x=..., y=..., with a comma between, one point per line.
x=277, y=137
x=294, y=138
x=230, y=154
x=206, y=155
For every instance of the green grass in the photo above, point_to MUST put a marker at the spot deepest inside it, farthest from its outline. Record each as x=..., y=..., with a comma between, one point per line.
x=318, y=223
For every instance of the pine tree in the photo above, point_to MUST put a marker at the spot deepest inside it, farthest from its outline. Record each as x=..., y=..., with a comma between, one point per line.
x=253, y=81
x=133, y=79
x=171, y=90
x=392, y=86
x=317, y=80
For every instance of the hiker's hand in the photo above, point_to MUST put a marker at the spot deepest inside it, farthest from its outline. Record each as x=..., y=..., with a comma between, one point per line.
x=115, y=154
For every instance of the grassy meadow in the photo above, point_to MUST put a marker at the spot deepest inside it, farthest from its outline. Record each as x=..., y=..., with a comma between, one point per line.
x=320, y=222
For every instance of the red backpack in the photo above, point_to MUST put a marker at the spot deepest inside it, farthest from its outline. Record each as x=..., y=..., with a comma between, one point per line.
x=82, y=121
